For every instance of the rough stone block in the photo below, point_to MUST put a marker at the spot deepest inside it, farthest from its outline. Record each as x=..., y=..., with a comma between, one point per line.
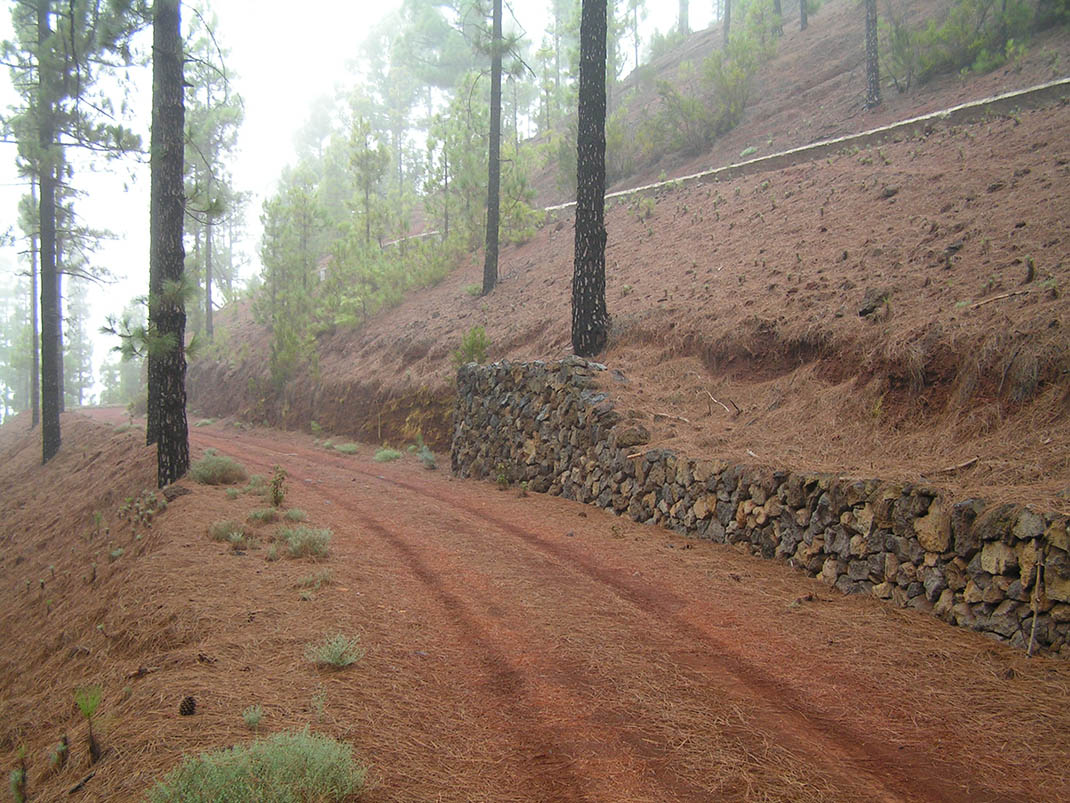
x=934, y=528
x=998, y=558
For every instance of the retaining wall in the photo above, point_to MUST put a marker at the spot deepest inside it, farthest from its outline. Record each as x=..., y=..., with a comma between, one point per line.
x=975, y=565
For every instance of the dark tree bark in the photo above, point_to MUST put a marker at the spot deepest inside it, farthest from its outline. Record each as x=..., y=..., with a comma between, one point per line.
x=803, y=21
x=728, y=20
x=490, y=263
x=209, y=331
x=35, y=372
x=50, y=322
x=167, y=314
x=780, y=17
x=61, y=392
x=589, y=317
x=873, y=75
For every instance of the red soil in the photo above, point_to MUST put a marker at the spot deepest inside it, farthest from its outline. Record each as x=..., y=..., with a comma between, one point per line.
x=517, y=648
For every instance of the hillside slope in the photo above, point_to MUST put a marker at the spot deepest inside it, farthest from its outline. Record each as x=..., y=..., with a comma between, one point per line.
x=892, y=312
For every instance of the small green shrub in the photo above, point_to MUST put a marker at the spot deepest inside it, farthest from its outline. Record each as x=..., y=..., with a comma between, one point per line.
x=474, y=290
x=251, y=716
x=264, y=515
x=427, y=457
x=284, y=767
x=205, y=422
x=386, y=455
x=346, y=448
x=473, y=348
x=257, y=486
x=306, y=542
x=295, y=514
x=278, y=492
x=316, y=428
x=215, y=469
x=225, y=530
x=233, y=493
x=337, y=651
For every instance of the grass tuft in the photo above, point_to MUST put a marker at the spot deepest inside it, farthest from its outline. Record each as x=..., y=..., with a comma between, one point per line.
x=305, y=542
x=337, y=651
x=215, y=469
x=251, y=716
x=226, y=531
x=385, y=455
x=315, y=581
x=295, y=514
x=264, y=515
x=292, y=766
x=345, y=448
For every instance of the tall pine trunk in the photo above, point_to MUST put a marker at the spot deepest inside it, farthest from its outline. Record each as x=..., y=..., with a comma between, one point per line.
x=589, y=317
x=684, y=19
x=728, y=19
x=803, y=21
x=35, y=371
x=167, y=204
x=490, y=263
x=50, y=323
x=873, y=76
x=61, y=393
x=209, y=328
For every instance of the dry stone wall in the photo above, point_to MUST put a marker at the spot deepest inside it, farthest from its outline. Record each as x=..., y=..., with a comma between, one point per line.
x=1002, y=569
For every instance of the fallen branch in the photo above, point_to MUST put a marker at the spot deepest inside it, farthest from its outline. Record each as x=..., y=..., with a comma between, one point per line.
x=78, y=786
x=635, y=455
x=999, y=298
x=953, y=469
x=713, y=401
x=671, y=417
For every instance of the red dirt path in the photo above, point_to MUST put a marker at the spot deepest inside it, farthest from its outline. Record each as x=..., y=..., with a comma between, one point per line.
x=522, y=649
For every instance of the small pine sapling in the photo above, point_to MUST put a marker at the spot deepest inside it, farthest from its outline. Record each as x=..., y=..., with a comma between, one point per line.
x=88, y=700
x=278, y=493
x=18, y=778
x=57, y=756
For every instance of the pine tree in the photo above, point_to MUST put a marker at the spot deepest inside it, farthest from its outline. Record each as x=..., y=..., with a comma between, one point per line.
x=803, y=21
x=589, y=317
x=873, y=78
x=59, y=50
x=490, y=262
x=46, y=179
x=167, y=315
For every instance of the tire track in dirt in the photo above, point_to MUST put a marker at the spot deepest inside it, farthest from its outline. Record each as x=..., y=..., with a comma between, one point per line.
x=556, y=746
x=549, y=773
x=545, y=728
x=902, y=773
x=845, y=754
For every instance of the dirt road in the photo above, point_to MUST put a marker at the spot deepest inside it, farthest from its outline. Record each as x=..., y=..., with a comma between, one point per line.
x=536, y=649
